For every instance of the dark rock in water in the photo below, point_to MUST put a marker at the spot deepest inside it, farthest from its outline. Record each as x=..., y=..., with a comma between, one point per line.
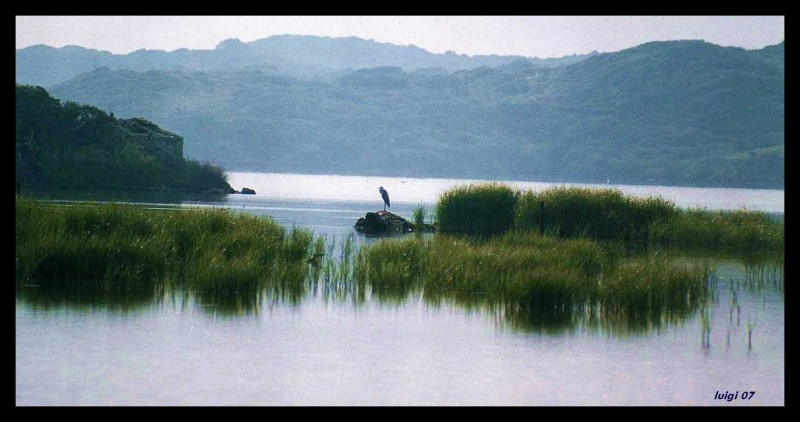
x=248, y=191
x=382, y=221
x=385, y=222
x=219, y=191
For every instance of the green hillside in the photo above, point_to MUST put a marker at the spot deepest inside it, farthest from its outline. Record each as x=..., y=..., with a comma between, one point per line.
x=67, y=145
x=685, y=113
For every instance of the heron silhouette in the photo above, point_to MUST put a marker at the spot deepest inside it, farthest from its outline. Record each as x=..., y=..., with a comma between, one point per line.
x=385, y=196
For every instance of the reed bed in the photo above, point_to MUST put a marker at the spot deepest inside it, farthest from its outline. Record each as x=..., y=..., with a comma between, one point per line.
x=392, y=268
x=745, y=232
x=420, y=214
x=122, y=246
x=531, y=274
x=334, y=274
x=601, y=214
x=480, y=209
x=609, y=216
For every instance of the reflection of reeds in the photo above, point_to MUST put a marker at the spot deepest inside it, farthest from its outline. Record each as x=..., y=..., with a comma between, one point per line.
x=238, y=304
x=767, y=275
x=747, y=288
x=705, y=326
x=751, y=325
x=43, y=297
x=333, y=275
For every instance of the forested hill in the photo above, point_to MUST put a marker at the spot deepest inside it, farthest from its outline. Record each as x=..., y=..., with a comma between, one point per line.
x=301, y=56
x=684, y=113
x=67, y=145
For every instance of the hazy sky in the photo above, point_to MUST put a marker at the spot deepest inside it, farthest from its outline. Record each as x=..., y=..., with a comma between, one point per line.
x=532, y=36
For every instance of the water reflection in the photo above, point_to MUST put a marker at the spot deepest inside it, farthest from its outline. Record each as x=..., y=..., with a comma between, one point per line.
x=568, y=318
x=339, y=290
x=763, y=277
x=726, y=284
x=50, y=298
x=243, y=304
x=233, y=304
x=759, y=278
x=543, y=320
x=751, y=276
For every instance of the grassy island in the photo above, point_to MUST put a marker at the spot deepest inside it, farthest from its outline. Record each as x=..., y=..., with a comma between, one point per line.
x=112, y=246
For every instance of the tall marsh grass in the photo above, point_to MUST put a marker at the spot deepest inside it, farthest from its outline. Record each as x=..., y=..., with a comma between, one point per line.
x=481, y=209
x=601, y=214
x=334, y=269
x=420, y=214
x=530, y=274
x=122, y=246
x=746, y=232
x=606, y=215
x=392, y=268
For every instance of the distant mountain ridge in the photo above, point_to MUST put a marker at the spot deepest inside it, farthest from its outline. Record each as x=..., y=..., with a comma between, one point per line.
x=682, y=113
x=299, y=55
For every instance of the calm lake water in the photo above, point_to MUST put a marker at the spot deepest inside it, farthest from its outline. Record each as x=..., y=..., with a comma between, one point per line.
x=320, y=349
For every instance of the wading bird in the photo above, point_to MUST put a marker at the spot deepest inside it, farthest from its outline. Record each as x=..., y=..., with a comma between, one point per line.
x=385, y=196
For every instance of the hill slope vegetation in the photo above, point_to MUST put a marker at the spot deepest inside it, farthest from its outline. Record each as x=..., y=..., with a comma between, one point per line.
x=67, y=145
x=684, y=113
